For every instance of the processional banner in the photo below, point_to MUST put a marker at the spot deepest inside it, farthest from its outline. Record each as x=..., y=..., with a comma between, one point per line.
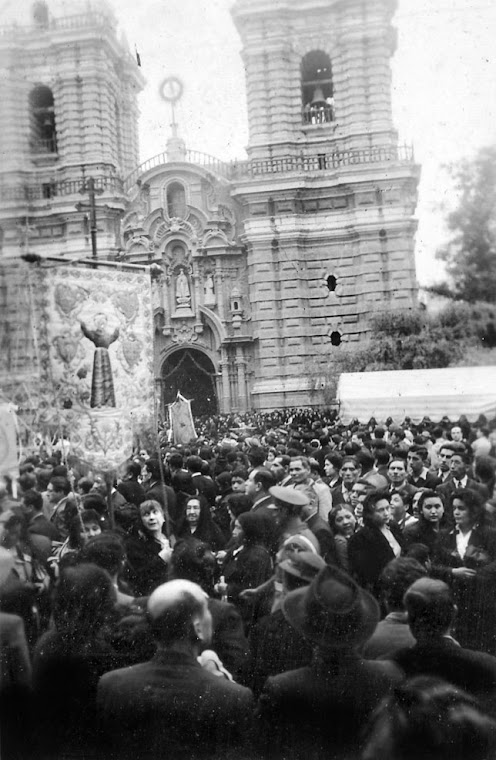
x=181, y=421
x=9, y=456
x=95, y=340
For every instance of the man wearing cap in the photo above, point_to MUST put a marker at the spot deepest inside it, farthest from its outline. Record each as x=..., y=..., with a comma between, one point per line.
x=290, y=503
x=321, y=707
x=171, y=706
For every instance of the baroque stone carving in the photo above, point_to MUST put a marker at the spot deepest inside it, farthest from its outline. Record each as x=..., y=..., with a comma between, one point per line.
x=184, y=333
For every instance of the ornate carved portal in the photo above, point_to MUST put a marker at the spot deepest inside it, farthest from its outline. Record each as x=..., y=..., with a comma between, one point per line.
x=193, y=374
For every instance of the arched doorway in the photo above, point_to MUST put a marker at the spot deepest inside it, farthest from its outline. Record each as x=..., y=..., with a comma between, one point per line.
x=192, y=373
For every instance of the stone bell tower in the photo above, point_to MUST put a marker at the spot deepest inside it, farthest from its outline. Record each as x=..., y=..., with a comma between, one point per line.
x=69, y=114
x=329, y=193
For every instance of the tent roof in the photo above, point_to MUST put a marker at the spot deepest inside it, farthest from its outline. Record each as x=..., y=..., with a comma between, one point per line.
x=418, y=393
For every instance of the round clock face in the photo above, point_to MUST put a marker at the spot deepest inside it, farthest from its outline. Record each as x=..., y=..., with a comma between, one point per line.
x=171, y=89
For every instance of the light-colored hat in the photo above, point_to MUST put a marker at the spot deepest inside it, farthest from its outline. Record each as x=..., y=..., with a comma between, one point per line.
x=289, y=496
x=304, y=565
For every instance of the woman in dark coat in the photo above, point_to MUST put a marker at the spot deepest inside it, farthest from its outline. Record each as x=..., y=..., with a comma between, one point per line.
x=427, y=530
x=197, y=522
x=148, y=549
x=377, y=543
x=466, y=558
x=249, y=564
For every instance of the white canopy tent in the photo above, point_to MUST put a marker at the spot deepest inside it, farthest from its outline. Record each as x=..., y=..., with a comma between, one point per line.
x=418, y=393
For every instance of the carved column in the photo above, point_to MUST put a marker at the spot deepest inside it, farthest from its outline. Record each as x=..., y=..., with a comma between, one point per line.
x=225, y=404
x=219, y=295
x=241, y=370
x=195, y=279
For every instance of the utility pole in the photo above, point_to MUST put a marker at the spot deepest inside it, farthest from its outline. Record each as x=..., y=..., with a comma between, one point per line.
x=89, y=187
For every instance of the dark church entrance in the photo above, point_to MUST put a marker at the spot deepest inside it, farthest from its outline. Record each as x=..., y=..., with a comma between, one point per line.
x=191, y=373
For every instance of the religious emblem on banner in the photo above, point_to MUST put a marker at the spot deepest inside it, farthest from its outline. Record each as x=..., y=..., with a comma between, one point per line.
x=181, y=420
x=95, y=334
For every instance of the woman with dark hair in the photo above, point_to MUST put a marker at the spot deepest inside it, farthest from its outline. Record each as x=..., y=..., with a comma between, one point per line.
x=249, y=564
x=197, y=522
x=427, y=530
x=343, y=524
x=148, y=549
x=81, y=526
x=69, y=660
x=465, y=557
x=377, y=543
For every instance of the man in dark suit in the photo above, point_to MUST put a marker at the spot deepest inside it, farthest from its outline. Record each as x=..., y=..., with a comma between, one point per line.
x=156, y=489
x=171, y=706
x=393, y=632
x=317, y=709
x=431, y=613
x=418, y=474
x=15, y=688
x=322, y=532
x=459, y=479
x=203, y=483
x=349, y=474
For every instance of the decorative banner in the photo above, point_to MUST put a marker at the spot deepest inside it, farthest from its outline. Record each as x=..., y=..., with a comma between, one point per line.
x=181, y=420
x=95, y=338
x=9, y=457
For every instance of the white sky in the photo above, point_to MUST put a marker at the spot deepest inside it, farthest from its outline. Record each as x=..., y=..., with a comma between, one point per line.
x=444, y=85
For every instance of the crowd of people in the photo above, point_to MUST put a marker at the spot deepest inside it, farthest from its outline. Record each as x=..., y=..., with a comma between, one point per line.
x=284, y=586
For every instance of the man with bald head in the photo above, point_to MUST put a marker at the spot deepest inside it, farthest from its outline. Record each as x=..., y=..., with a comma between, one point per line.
x=171, y=706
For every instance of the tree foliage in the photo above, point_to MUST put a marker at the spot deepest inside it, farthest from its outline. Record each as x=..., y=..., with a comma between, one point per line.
x=470, y=255
x=415, y=339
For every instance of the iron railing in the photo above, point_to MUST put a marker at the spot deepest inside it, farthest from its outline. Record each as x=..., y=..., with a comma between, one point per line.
x=47, y=190
x=217, y=166
x=44, y=146
x=92, y=18
x=333, y=159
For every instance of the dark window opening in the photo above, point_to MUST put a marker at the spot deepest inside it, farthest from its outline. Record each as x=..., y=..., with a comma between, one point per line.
x=317, y=91
x=48, y=190
x=176, y=201
x=43, y=133
x=335, y=338
x=331, y=283
x=236, y=306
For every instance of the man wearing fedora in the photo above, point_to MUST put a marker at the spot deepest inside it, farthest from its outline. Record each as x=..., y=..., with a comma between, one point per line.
x=319, y=709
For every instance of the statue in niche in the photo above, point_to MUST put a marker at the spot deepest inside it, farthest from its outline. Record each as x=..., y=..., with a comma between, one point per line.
x=209, y=289
x=183, y=294
x=102, y=384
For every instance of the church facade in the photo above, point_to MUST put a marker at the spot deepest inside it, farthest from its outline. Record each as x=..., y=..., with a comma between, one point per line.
x=261, y=268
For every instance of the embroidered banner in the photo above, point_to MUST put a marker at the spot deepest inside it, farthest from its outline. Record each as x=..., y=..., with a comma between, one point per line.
x=181, y=420
x=95, y=339
x=9, y=456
